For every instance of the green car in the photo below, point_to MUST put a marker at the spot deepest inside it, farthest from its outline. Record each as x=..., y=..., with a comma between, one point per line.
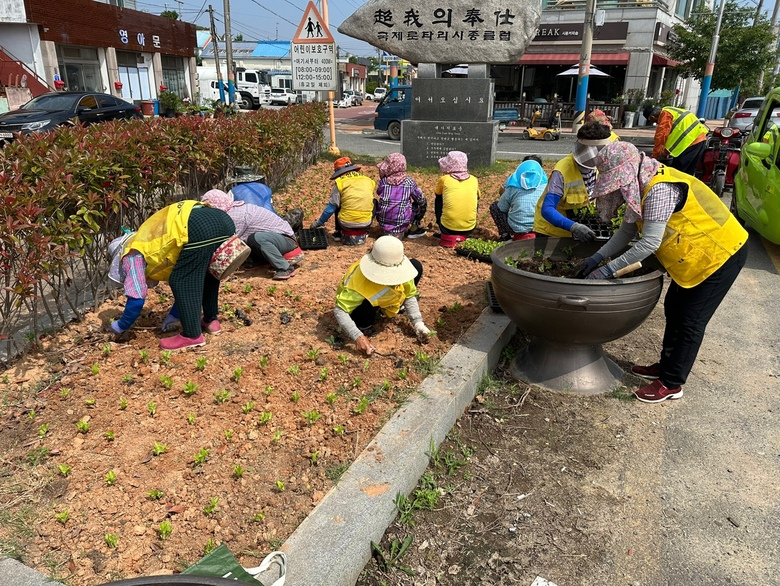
x=756, y=199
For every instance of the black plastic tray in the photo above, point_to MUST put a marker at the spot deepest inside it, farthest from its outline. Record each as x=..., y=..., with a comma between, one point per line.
x=312, y=238
x=474, y=255
x=492, y=299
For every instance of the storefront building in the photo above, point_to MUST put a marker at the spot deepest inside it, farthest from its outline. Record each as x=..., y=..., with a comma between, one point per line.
x=83, y=45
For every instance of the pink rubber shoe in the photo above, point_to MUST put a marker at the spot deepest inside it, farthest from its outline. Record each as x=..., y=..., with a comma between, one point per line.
x=179, y=342
x=212, y=327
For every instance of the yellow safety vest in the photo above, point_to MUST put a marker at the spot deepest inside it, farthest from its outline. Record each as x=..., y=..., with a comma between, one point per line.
x=387, y=297
x=685, y=129
x=161, y=238
x=575, y=196
x=357, y=198
x=699, y=238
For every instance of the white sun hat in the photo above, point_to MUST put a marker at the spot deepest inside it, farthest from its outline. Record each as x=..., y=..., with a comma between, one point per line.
x=386, y=264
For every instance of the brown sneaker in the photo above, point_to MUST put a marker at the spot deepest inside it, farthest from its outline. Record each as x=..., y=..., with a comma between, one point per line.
x=651, y=372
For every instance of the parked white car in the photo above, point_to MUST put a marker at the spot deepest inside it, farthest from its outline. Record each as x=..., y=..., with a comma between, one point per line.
x=283, y=96
x=379, y=93
x=355, y=97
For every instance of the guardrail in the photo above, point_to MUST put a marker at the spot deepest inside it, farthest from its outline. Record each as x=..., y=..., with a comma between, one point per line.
x=547, y=109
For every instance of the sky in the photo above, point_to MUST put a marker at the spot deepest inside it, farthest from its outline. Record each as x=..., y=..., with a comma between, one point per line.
x=264, y=20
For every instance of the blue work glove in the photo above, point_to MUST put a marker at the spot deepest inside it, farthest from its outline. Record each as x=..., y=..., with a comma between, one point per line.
x=600, y=273
x=586, y=267
x=115, y=328
x=582, y=233
x=170, y=323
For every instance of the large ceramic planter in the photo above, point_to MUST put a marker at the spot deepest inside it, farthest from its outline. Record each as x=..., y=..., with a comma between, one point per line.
x=569, y=319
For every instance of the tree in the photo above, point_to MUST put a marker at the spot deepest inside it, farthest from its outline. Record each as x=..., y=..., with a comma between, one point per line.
x=743, y=50
x=172, y=14
x=238, y=37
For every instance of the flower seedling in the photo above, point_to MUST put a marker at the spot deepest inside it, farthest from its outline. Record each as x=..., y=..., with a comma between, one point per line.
x=440, y=321
x=366, y=365
x=155, y=494
x=265, y=417
x=277, y=435
x=343, y=358
x=191, y=418
x=402, y=374
x=110, y=435
x=189, y=388
x=64, y=392
x=162, y=298
x=106, y=349
x=228, y=434
x=212, y=506
x=209, y=547
x=295, y=397
x=311, y=417
x=200, y=363
x=247, y=288
x=159, y=448
x=268, y=389
x=331, y=398
x=143, y=355
x=238, y=471
x=294, y=370
x=221, y=396
x=43, y=430
x=288, y=292
x=110, y=478
x=330, y=340
x=31, y=414
x=201, y=457
x=248, y=407
x=280, y=486
x=64, y=469
x=271, y=290
x=151, y=406
x=111, y=540
x=258, y=517
x=263, y=361
x=62, y=517
x=339, y=429
x=127, y=379
x=166, y=381
x=312, y=354
x=95, y=369
x=82, y=425
x=165, y=357
x=323, y=374
x=236, y=376
x=90, y=403
x=313, y=457
x=164, y=530
x=122, y=403
x=356, y=382
x=361, y=405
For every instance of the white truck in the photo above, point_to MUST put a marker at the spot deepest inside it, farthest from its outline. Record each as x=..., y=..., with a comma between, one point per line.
x=252, y=87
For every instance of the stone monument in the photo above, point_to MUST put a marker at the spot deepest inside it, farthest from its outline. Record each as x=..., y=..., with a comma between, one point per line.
x=449, y=114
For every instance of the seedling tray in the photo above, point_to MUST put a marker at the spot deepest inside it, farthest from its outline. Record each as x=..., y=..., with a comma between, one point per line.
x=474, y=255
x=492, y=299
x=312, y=238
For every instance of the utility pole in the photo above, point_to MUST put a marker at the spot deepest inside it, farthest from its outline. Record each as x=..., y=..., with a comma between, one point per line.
x=220, y=83
x=710, y=67
x=583, y=74
x=229, y=55
x=333, y=150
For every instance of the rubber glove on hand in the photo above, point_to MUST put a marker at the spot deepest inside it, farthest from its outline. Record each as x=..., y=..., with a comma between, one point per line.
x=421, y=329
x=315, y=224
x=600, y=273
x=586, y=267
x=114, y=326
x=170, y=323
x=582, y=233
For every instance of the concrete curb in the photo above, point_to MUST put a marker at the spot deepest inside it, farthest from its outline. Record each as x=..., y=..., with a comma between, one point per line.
x=332, y=545
x=14, y=573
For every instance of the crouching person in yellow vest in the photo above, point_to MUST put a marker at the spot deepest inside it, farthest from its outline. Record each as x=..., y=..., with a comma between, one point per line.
x=352, y=200
x=176, y=245
x=385, y=281
x=693, y=235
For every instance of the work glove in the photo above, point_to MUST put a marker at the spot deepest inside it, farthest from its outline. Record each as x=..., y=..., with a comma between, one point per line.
x=582, y=233
x=586, y=267
x=600, y=273
x=421, y=329
x=114, y=326
x=170, y=323
x=315, y=224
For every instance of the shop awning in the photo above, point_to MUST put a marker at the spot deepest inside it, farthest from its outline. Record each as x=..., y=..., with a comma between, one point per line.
x=569, y=58
x=664, y=61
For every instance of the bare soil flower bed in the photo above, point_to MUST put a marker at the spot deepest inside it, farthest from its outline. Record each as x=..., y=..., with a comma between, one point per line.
x=120, y=460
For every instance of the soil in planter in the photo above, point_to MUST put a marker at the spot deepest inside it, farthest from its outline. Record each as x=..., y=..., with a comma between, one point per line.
x=562, y=268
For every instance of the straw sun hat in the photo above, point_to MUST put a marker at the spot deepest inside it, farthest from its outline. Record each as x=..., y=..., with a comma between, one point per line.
x=386, y=264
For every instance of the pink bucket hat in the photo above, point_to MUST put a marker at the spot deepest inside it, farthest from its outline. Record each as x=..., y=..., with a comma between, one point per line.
x=393, y=168
x=220, y=200
x=623, y=173
x=456, y=163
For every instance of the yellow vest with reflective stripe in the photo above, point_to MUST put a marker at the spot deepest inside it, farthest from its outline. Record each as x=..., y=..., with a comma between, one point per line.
x=685, y=129
x=699, y=238
x=575, y=196
x=161, y=238
x=387, y=297
x=357, y=198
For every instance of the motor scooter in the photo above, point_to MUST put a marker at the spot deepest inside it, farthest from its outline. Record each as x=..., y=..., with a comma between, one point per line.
x=720, y=160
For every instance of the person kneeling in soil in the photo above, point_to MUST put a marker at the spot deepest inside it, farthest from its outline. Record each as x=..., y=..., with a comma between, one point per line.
x=698, y=241
x=352, y=200
x=383, y=280
x=513, y=213
x=570, y=186
x=457, y=196
x=176, y=245
x=401, y=204
x=268, y=235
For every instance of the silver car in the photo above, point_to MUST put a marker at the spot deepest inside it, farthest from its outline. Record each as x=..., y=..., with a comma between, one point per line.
x=746, y=114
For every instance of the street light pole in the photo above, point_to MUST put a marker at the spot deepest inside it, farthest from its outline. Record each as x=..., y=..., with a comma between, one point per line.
x=708, y=69
x=583, y=74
